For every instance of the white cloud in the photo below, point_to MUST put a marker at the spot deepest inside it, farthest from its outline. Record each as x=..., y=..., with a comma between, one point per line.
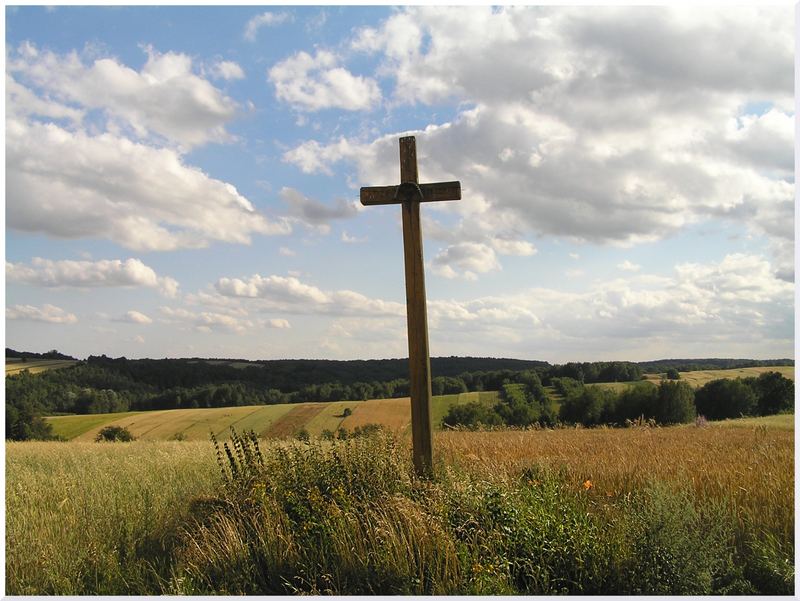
x=467, y=256
x=90, y=274
x=227, y=70
x=165, y=98
x=289, y=294
x=626, y=265
x=207, y=321
x=314, y=213
x=135, y=317
x=348, y=239
x=265, y=19
x=47, y=313
x=280, y=324
x=312, y=83
x=575, y=127
x=74, y=185
x=285, y=251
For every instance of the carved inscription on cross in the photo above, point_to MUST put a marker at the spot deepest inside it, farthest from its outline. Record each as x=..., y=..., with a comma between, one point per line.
x=409, y=194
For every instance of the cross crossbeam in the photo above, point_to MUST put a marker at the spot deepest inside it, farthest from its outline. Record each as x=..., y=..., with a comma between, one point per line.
x=410, y=193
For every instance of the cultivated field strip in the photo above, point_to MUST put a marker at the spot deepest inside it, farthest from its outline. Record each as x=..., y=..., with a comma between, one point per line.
x=36, y=366
x=294, y=420
x=393, y=414
x=269, y=421
x=699, y=378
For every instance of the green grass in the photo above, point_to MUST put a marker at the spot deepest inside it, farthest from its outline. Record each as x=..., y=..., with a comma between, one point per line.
x=72, y=426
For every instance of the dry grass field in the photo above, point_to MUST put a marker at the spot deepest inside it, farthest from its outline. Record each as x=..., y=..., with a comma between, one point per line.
x=291, y=422
x=89, y=517
x=269, y=421
x=393, y=414
x=750, y=461
x=698, y=378
x=35, y=366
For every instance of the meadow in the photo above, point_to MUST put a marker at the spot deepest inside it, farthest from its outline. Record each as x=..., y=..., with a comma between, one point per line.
x=36, y=366
x=682, y=510
x=268, y=421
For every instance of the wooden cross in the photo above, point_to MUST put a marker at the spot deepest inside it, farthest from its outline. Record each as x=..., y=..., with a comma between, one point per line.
x=409, y=194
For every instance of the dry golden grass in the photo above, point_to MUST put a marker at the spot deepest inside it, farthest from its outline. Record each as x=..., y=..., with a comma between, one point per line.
x=330, y=418
x=751, y=466
x=36, y=366
x=699, y=378
x=393, y=414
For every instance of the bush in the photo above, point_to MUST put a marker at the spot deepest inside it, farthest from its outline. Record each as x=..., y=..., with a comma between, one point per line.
x=775, y=393
x=673, y=374
x=676, y=549
x=350, y=518
x=636, y=401
x=724, y=398
x=114, y=434
x=590, y=406
x=675, y=403
x=471, y=414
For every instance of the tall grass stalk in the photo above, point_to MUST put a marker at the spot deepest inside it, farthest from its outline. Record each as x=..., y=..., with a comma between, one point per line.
x=97, y=518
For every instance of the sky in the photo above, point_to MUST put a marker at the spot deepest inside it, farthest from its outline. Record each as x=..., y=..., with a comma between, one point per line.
x=184, y=181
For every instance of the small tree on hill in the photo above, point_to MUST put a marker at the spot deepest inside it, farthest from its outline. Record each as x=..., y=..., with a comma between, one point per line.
x=114, y=434
x=673, y=374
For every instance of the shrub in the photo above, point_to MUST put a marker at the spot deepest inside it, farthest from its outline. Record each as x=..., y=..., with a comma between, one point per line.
x=775, y=393
x=590, y=406
x=724, y=398
x=114, y=434
x=471, y=414
x=676, y=549
x=347, y=412
x=675, y=403
x=636, y=401
x=673, y=374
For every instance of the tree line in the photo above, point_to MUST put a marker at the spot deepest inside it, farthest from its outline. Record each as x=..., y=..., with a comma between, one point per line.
x=107, y=385
x=669, y=402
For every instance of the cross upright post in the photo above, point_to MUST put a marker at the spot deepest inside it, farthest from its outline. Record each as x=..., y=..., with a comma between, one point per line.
x=409, y=194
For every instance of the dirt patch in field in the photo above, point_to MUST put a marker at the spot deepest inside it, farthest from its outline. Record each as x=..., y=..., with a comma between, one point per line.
x=394, y=414
x=297, y=418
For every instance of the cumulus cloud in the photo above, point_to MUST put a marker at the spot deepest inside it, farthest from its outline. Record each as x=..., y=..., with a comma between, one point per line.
x=265, y=19
x=280, y=324
x=89, y=274
x=314, y=213
x=312, y=83
x=227, y=70
x=165, y=99
x=628, y=266
x=468, y=257
x=290, y=295
x=207, y=321
x=592, y=126
x=46, y=313
x=135, y=317
x=69, y=184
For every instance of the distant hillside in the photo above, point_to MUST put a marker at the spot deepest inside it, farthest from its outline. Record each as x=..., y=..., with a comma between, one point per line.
x=12, y=354
x=662, y=365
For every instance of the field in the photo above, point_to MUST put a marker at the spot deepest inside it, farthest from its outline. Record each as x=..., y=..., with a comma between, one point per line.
x=91, y=518
x=698, y=378
x=281, y=421
x=269, y=421
x=35, y=366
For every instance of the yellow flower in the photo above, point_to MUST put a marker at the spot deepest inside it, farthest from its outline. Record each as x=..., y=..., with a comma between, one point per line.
x=587, y=484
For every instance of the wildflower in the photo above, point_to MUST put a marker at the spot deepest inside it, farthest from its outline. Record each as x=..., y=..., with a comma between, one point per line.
x=587, y=484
